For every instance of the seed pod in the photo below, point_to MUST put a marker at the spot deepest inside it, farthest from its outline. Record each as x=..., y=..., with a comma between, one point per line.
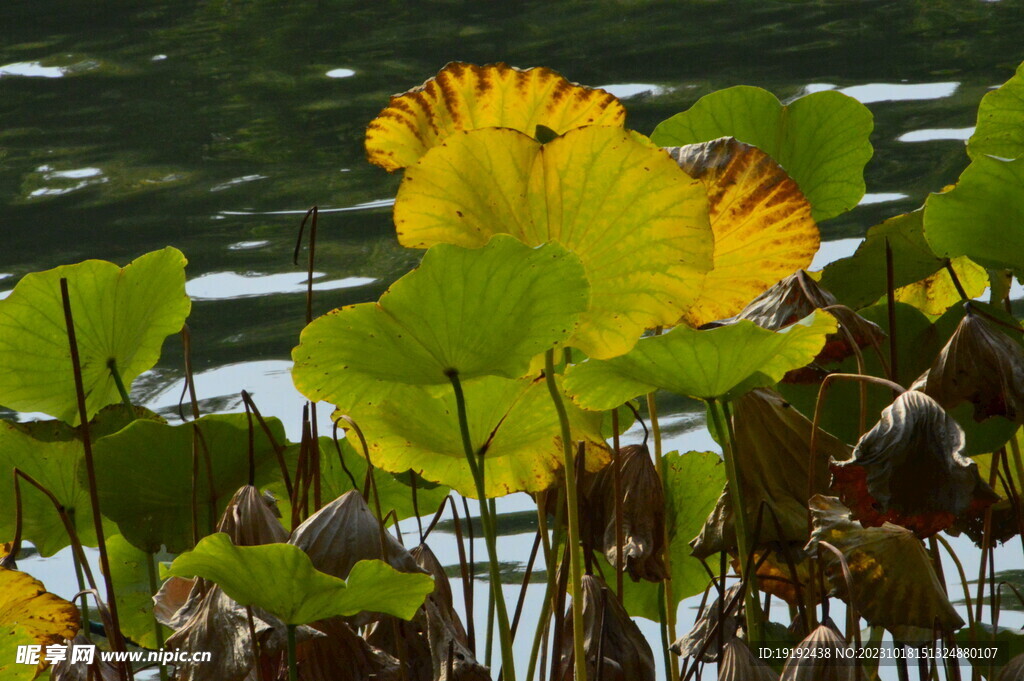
x=832, y=667
x=981, y=365
x=643, y=514
x=739, y=664
x=909, y=469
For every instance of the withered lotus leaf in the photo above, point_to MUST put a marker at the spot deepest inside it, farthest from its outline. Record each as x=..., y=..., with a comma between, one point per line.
x=29, y=615
x=775, y=576
x=466, y=97
x=761, y=221
x=772, y=446
x=909, y=469
x=643, y=514
x=341, y=655
x=691, y=644
x=406, y=642
x=249, y=520
x=739, y=664
x=627, y=655
x=981, y=365
x=441, y=596
x=99, y=670
x=449, y=652
x=893, y=580
x=828, y=667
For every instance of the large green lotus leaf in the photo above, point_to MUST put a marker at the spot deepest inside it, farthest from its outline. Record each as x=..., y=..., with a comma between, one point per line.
x=1000, y=129
x=514, y=422
x=144, y=475
x=820, y=139
x=281, y=579
x=982, y=217
x=121, y=314
x=637, y=222
x=693, y=483
x=722, y=362
x=466, y=96
x=131, y=585
x=471, y=312
x=395, y=491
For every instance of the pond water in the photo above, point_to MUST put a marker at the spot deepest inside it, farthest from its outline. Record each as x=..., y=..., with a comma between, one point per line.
x=213, y=125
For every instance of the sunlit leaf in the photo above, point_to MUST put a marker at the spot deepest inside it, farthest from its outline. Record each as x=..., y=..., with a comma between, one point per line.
x=512, y=421
x=134, y=598
x=466, y=97
x=1000, y=129
x=637, y=222
x=121, y=315
x=251, y=575
x=469, y=312
x=761, y=221
x=144, y=475
x=726, y=361
x=936, y=293
x=981, y=216
x=30, y=616
x=820, y=139
x=894, y=583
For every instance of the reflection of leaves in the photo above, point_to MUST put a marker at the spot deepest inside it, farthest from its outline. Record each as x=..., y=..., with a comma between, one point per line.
x=820, y=139
x=761, y=222
x=466, y=97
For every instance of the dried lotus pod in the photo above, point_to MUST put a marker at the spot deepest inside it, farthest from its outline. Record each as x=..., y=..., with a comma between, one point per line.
x=739, y=664
x=820, y=667
x=981, y=365
x=643, y=514
x=691, y=644
x=909, y=469
x=609, y=629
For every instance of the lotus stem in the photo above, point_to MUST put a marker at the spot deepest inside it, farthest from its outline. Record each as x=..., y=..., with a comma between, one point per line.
x=157, y=629
x=755, y=628
x=90, y=467
x=476, y=468
x=550, y=546
x=293, y=669
x=890, y=297
x=112, y=366
x=572, y=515
x=617, y=488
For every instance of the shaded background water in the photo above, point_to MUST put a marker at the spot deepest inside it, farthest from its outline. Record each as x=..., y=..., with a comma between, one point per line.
x=212, y=126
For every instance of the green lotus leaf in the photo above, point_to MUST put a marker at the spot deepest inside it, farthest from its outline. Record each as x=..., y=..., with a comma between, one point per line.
x=1000, y=129
x=513, y=422
x=281, y=579
x=394, y=490
x=463, y=311
x=693, y=483
x=134, y=598
x=722, y=362
x=981, y=217
x=820, y=139
x=144, y=476
x=638, y=223
x=122, y=315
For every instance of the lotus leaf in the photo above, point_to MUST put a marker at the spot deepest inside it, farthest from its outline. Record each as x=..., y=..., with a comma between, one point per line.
x=819, y=665
x=251, y=575
x=739, y=664
x=936, y=293
x=894, y=583
x=249, y=519
x=30, y=616
x=820, y=139
x=761, y=221
x=696, y=640
x=722, y=362
x=466, y=97
x=131, y=585
x=122, y=315
x=144, y=475
x=909, y=469
x=466, y=312
x=989, y=197
x=637, y=222
x=1000, y=129
x=511, y=422
x=319, y=659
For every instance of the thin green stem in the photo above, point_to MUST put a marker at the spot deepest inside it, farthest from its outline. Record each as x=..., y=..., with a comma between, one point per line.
x=157, y=629
x=572, y=514
x=476, y=468
x=755, y=628
x=293, y=668
x=115, y=374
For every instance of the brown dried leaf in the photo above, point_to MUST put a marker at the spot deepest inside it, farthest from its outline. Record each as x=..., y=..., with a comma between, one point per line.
x=909, y=469
x=981, y=365
x=691, y=644
x=99, y=670
x=441, y=597
x=739, y=664
x=893, y=580
x=450, y=655
x=341, y=655
x=250, y=521
x=807, y=667
x=405, y=641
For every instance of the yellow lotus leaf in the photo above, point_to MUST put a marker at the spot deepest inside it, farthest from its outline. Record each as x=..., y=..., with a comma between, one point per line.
x=636, y=221
x=466, y=97
x=29, y=616
x=936, y=293
x=762, y=224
